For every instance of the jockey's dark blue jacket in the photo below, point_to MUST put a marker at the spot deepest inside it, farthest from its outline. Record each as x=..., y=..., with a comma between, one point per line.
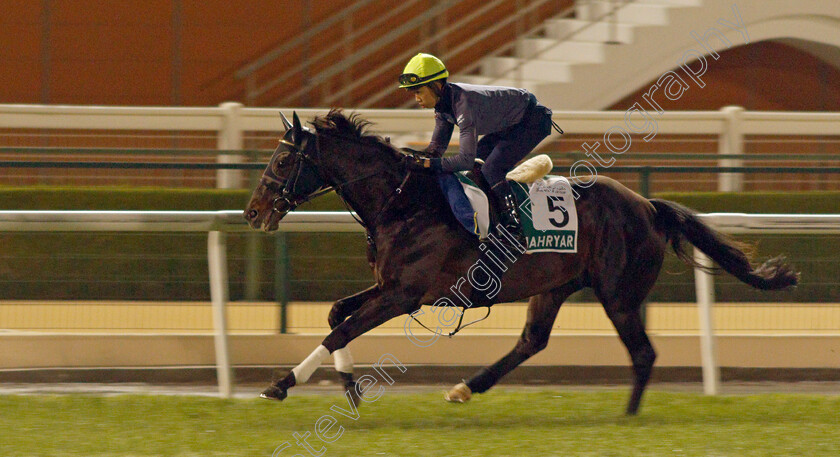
x=476, y=110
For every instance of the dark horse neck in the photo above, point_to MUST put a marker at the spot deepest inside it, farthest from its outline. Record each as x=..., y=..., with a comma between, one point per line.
x=367, y=171
x=366, y=176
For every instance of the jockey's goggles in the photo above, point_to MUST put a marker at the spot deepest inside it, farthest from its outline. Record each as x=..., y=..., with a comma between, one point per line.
x=408, y=80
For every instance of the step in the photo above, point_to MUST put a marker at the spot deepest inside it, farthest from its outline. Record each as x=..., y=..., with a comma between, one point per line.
x=530, y=86
x=533, y=69
x=569, y=51
x=632, y=13
x=579, y=30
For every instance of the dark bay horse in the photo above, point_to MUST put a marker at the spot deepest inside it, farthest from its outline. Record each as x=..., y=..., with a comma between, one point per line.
x=421, y=250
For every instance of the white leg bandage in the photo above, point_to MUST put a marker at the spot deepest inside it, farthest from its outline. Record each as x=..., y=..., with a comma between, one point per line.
x=343, y=360
x=307, y=367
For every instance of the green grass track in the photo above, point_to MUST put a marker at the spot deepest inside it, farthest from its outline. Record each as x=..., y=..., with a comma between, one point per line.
x=500, y=423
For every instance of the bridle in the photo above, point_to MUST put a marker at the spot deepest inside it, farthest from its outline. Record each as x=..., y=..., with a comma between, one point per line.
x=291, y=188
x=306, y=182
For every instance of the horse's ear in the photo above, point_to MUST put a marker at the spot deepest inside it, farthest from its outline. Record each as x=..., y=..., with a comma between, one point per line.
x=286, y=124
x=296, y=126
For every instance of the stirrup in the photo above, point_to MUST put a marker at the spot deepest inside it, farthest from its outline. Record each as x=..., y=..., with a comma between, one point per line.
x=515, y=231
x=514, y=239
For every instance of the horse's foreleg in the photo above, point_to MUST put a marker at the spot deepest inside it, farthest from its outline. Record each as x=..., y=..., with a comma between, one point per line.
x=374, y=312
x=343, y=308
x=339, y=312
x=542, y=311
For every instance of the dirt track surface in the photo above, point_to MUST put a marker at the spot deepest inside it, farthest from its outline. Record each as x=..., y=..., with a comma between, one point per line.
x=325, y=388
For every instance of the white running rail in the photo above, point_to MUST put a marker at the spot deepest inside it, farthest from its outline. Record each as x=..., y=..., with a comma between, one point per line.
x=232, y=121
x=217, y=223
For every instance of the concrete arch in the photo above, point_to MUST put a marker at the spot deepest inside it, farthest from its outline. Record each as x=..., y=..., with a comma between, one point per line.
x=812, y=26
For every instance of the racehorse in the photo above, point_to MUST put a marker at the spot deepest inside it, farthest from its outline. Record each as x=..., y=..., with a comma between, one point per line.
x=418, y=249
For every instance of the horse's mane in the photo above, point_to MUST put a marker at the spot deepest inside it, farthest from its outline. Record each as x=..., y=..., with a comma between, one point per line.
x=335, y=123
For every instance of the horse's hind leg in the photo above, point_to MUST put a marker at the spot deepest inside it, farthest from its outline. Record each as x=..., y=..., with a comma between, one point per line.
x=622, y=299
x=542, y=311
x=631, y=330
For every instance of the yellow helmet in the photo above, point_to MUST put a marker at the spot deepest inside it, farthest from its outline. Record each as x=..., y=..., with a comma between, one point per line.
x=421, y=70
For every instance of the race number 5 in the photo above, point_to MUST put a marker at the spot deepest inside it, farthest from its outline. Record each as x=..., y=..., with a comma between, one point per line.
x=554, y=205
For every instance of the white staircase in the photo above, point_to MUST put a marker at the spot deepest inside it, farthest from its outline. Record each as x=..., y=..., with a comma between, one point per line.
x=585, y=63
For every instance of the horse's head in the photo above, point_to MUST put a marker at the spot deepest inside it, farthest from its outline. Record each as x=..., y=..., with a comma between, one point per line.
x=291, y=178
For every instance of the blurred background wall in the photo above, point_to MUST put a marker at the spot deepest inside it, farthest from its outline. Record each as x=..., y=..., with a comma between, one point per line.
x=320, y=54
x=193, y=53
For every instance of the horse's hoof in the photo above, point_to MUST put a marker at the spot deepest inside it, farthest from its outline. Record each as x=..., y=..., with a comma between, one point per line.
x=274, y=393
x=458, y=394
x=354, y=394
x=278, y=390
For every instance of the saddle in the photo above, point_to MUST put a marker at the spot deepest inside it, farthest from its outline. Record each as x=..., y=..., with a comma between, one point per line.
x=546, y=205
x=471, y=199
x=525, y=173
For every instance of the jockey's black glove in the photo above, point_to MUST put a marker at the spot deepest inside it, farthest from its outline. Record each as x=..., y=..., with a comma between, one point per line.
x=421, y=164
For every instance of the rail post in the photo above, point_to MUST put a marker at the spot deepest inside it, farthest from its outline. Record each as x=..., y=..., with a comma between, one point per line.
x=705, y=289
x=217, y=266
x=281, y=278
x=644, y=181
x=731, y=142
x=230, y=139
x=253, y=243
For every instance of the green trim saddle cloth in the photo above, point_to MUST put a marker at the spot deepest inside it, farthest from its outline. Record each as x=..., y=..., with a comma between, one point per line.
x=548, y=214
x=546, y=209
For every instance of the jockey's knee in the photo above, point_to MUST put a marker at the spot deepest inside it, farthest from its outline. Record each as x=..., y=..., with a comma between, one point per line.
x=492, y=175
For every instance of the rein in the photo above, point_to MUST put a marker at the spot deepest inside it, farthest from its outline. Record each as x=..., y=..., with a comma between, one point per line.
x=287, y=187
x=460, y=321
x=388, y=202
x=293, y=202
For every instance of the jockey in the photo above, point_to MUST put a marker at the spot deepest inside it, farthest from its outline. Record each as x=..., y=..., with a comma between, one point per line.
x=511, y=120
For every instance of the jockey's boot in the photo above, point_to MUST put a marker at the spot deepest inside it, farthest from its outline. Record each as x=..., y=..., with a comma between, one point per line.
x=508, y=216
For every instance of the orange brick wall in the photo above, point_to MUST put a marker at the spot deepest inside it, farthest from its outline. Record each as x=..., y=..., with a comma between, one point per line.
x=116, y=52
x=764, y=76
x=184, y=52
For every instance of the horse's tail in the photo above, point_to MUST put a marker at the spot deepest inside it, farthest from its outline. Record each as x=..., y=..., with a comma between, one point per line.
x=678, y=223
